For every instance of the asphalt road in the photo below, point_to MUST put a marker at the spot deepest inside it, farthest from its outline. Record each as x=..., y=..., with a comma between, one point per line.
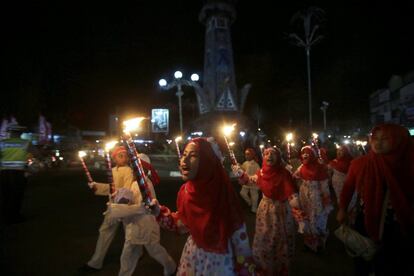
x=63, y=218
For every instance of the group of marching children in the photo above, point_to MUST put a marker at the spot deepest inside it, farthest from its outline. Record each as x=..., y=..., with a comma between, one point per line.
x=374, y=193
x=208, y=208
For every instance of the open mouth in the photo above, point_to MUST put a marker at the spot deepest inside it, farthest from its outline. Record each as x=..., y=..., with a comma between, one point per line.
x=185, y=170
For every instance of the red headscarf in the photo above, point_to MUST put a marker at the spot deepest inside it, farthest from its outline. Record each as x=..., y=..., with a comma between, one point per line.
x=275, y=181
x=372, y=173
x=118, y=150
x=208, y=205
x=313, y=170
x=342, y=164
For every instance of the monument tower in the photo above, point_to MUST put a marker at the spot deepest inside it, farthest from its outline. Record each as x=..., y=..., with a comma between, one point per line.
x=219, y=93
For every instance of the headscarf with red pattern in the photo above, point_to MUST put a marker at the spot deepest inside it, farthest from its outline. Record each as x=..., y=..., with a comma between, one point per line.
x=313, y=170
x=275, y=181
x=208, y=205
x=372, y=173
x=342, y=163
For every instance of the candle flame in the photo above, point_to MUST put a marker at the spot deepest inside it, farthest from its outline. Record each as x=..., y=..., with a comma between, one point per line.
x=227, y=129
x=82, y=154
x=315, y=135
x=289, y=137
x=132, y=124
x=178, y=139
x=110, y=145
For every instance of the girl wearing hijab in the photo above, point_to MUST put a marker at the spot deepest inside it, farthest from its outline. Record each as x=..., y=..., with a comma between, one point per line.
x=339, y=168
x=314, y=198
x=208, y=209
x=383, y=180
x=274, y=239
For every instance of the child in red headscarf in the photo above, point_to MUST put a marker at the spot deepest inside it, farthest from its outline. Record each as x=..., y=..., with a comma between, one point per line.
x=274, y=239
x=314, y=198
x=384, y=182
x=339, y=168
x=208, y=209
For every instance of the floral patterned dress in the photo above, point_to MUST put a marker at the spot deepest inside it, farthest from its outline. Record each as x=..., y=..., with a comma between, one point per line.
x=274, y=240
x=315, y=201
x=196, y=261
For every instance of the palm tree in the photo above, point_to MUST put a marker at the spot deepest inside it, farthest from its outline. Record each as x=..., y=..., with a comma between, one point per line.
x=308, y=19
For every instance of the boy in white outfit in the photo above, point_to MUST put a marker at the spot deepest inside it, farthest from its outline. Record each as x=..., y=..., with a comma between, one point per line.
x=250, y=192
x=142, y=230
x=122, y=176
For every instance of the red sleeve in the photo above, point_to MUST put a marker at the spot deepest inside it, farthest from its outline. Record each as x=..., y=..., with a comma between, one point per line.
x=349, y=187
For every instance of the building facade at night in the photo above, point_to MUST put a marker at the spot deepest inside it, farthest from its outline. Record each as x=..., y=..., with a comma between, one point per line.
x=394, y=104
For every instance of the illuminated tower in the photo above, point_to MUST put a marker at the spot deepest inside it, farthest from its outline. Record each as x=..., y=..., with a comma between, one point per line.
x=219, y=92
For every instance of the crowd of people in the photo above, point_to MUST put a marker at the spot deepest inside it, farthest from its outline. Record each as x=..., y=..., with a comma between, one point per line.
x=373, y=193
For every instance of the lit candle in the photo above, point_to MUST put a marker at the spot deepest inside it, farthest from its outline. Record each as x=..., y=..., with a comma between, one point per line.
x=177, y=140
x=289, y=138
x=133, y=125
x=108, y=148
x=261, y=150
x=82, y=154
x=227, y=130
x=315, y=143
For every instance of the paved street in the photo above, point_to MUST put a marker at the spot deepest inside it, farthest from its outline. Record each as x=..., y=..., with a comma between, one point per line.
x=63, y=217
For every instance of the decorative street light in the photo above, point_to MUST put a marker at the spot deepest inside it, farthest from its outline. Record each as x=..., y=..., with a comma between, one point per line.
x=179, y=82
x=323, y=108
x=309, y=19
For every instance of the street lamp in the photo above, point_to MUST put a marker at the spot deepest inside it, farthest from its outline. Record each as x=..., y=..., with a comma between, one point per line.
x=179, y=82
x=323, y=108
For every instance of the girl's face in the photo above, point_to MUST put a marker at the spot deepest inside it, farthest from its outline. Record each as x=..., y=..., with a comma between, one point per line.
x=305, y=157
x=189, y=162
x=339, y=153
x=270, y=157
x=380, y=142
x=121, y=159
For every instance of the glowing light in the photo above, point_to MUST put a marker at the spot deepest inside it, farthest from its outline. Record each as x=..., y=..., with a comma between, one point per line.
x=227, y=130
x=315, y=135
x=242, y=133
x=195, y=77
x=231, y=144
x=178, y=75
x=82, y=154
x=346, y=142
x=292, y=144
x=132, y=124
x=162, y=82
x=178, y=139
x=364, y=143
x=289, y=137
x=261, y=147
x=110, y=145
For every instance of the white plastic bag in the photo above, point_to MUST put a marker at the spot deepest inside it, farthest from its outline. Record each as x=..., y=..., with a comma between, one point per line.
x=356, y=245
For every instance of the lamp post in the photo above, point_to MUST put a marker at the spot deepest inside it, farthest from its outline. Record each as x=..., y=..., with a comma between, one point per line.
x=179, y=82
x=323, y=108
x=309, y=19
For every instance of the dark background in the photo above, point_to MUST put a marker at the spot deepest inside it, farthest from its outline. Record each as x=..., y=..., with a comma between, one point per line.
x=78, y=62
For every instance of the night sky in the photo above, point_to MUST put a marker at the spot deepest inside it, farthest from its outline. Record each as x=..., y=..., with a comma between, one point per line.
x=79, y=62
